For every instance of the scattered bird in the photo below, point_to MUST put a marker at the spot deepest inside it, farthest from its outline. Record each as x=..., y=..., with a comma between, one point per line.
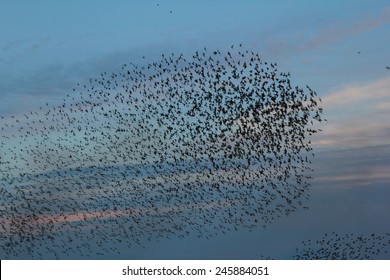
x=200, y=144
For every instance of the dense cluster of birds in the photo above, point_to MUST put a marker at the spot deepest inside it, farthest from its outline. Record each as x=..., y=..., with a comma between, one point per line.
x=347, y=246
x=199, y=144
x=334, y=246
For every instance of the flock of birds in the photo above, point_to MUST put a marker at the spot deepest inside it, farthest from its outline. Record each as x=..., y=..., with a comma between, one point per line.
x=200, y=144
x=347, y=246
x=207, y=143
x=334, y=246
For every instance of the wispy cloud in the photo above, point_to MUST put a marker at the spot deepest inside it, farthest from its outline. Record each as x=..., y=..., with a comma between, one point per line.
x=300, y=39
x=377, y=91
x=352, y=167
x=365, y=176
x=357, y=116
x=342, y=30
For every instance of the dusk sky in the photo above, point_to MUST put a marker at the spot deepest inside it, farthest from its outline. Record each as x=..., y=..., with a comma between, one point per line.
x=339, y=48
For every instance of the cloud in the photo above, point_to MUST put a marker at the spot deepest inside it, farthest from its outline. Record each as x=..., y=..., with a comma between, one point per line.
x=339, y=30
x=373, y=91
x=384, y=106
x=364, y=176
x=353, y=167
x=301, y=38
x=91, y=215
x=357, y=116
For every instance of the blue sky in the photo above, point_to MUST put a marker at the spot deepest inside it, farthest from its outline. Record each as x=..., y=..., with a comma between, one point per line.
x=339, y=48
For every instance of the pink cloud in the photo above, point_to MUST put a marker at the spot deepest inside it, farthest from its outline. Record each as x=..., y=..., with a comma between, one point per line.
x=60, y=220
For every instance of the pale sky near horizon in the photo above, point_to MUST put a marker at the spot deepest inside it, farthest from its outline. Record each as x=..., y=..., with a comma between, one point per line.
x=339, y=48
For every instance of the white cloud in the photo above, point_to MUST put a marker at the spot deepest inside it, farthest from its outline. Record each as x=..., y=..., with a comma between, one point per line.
x=357, y=116
x=374, y=91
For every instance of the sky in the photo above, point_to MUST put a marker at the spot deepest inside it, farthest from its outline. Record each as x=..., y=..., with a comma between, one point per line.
x=339, y=48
